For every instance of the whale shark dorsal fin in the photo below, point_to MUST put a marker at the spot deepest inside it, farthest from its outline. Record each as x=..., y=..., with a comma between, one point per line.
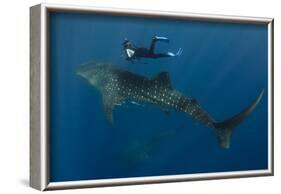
x=163, y=79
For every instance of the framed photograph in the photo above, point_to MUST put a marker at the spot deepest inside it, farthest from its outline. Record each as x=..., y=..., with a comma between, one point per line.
x=123, y=97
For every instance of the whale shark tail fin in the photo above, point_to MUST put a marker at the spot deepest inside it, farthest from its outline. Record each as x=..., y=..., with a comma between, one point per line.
x=225, y=128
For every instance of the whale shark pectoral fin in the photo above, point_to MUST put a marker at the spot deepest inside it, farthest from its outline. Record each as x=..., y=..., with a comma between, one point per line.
x=109, y=101
x=163, y=78
x=108, y=110
x=167, y=112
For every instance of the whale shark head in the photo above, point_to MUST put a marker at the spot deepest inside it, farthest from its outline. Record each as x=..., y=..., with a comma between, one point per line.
x=96, y=74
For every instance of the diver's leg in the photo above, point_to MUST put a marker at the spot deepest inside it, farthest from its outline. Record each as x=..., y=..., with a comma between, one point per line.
x=168, y=54
x=161, y=55
x=153, y=42
x=152, y=46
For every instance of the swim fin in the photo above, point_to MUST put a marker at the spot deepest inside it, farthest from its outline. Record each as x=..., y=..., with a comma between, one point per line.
x=173, y=54
x=161, y=38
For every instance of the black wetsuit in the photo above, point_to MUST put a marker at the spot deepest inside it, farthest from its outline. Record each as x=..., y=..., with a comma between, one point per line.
x=133, y=52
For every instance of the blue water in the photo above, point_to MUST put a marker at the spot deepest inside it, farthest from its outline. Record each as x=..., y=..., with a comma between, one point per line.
x=223, y=66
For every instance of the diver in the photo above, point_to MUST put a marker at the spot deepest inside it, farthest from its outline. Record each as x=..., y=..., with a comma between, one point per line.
x=132, y=52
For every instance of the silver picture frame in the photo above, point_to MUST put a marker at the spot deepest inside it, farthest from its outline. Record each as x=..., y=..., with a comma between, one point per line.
x=39, y=90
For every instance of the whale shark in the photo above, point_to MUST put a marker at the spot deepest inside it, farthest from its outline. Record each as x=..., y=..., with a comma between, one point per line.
x=118, y=86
